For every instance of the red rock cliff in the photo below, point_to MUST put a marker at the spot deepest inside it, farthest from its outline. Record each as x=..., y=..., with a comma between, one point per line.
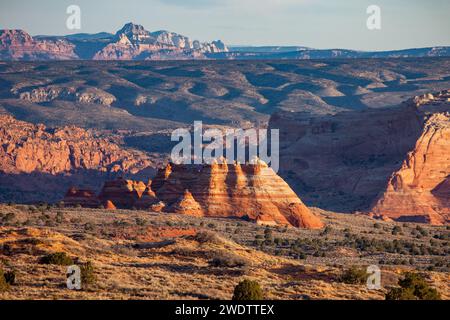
x=420, y=190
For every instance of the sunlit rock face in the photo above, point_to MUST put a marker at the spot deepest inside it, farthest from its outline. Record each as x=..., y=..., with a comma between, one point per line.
x=253, y=191
x=393, y=163
x=420, y=189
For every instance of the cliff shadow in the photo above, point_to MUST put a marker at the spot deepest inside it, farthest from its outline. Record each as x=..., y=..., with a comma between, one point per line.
x=38, y=187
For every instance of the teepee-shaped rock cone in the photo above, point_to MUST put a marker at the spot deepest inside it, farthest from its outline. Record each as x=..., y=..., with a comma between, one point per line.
x=109, y=205
x=147, y=199
x=251, y=190
x=186, y=204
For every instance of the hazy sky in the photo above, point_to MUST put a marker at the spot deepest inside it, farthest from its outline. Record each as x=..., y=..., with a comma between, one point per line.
x=312, y=23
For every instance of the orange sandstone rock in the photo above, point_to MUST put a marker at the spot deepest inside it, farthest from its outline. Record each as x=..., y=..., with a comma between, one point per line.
x=223, y=190
x=420, y=190
x=187, y=205
x=123, y=193
x=109, y=205
x=84, y=198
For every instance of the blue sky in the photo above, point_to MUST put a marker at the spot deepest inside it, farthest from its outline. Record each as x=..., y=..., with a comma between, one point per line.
x=312, y=23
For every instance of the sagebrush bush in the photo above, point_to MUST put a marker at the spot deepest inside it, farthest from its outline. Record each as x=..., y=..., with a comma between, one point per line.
x=4, y=285
x=248, y=290
x=228, y=260
x=354, y=275
x=413, y=286
x=58, y=258
x=10, y=277
x=207, y=237
x=87, y=275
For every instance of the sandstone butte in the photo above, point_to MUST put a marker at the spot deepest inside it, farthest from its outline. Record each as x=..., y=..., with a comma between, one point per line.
x=420, y=189
x=251, y=191
x=391, y=163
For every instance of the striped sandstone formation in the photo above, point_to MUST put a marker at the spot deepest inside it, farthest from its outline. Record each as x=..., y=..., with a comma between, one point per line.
x=253, y=191
x=420, y=190
x=392, y=163
x=122, y=193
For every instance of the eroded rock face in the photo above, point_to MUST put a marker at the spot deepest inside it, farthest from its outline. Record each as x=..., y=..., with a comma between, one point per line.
x=186, y=204
x=53, y=92
x=28, y=148
x=147, y=199
x=341, y=162
x=122, y=193
x=19, y=45
x=39, y=163
x=79, y=197
x=252, y=191
x=133, y=42
x=221, y=190
x=395, y=158
x=420, y=190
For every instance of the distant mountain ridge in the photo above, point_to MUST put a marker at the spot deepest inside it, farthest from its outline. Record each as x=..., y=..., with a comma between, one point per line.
x=131, y=42
x=134, y=42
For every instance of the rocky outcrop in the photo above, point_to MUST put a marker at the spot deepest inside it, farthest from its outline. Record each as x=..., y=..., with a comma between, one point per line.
x=250, y=191
x=40, y=164
x=147, y=199
x=53, y=92
x=419, y=191
x=253, y=191
x=186, y=204
x=122, y=193
x=132, y=42
x=27, y=148
x=109, y=205
x=19, y=45
x=79, y=197
x=344, y=162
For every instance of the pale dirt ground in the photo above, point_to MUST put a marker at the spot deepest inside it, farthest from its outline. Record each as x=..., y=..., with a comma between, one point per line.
x=171, y=263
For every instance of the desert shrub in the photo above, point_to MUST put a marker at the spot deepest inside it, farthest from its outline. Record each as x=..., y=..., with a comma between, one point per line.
x=327, y=230
x=207, y=237
x=413, y=287
x=89, y=226
x=257, y=242
x=354, y=275
x=301, y=256
x=4, y=285
x=87, y=274
x=9, y=217
x=422, y=231
x=58, y=258
x=182, y=251
x=140, y=222
x=59, y=217
x=248, y=290
x=396, y=230
x=211, y=225
x=10, y=277
x=228, y=260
